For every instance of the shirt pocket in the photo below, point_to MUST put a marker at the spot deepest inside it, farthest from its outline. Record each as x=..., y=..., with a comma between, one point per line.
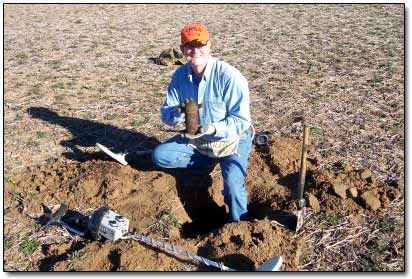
x=214, y=111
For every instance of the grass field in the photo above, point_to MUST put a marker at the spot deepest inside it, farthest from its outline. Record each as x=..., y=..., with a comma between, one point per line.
x=338, y=68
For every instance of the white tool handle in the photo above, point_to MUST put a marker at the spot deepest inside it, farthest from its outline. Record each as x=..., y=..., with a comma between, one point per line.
x=118, y=157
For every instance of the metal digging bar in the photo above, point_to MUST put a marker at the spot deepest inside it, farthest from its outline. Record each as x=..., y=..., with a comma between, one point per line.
x=179, y=251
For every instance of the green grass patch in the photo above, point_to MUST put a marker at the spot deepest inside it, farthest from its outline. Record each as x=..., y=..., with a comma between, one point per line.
x=343, y=164
x=158, y=125
x=86, y=87
x=41, y=135
x=55, y=64
x=331, y=219
x=22, y=58
x=171, y=219
x=59, y=85
x=35, y=90
x=129, y=101
x=379, y=246
x=387, y=68
x=376, y=80
x=37, y=226
x=71, y=84
x=16, y=197
x=33, y=143
x=59, y=98
x=316, y=130
x=27, y=247
x=9, y=181
x=388, y=225
x=103, y=65
x=137, y=123
x=6, y=243
x=18, y=117
x=111, y=116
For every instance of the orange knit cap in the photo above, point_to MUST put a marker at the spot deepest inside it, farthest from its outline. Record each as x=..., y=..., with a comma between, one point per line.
x=194, y=32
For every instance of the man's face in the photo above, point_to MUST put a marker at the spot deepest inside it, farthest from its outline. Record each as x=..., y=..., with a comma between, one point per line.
x=196, y=52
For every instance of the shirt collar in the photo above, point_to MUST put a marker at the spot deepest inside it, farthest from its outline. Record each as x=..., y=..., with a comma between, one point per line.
x=206, y=73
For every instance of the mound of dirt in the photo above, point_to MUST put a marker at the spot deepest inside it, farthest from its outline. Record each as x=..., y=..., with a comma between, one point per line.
x=352, y=190
x=246, y=245
x=186, y=209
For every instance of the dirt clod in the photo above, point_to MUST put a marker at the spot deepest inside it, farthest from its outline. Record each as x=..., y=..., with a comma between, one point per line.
x=313, y=202
x=353, y=192
x=399, y=184
x=371, y=200
x=339, y=189
x=364, y=174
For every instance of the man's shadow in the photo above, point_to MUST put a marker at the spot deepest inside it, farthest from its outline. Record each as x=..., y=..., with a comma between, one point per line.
x=85, y=133
x=192, y=185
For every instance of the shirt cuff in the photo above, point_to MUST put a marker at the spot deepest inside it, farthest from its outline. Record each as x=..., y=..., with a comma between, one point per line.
x=179, y=118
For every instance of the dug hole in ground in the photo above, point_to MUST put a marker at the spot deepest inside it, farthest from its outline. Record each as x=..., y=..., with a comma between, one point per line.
x=187, y=210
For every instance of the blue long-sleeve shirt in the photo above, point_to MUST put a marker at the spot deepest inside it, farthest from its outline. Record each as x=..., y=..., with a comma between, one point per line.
x=223, y=92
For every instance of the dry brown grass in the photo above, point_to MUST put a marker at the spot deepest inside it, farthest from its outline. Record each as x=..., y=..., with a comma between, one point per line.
x=340, y=243
x=340, y=67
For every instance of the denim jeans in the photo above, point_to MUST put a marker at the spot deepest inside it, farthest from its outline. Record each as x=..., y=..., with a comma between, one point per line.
x=175, y=153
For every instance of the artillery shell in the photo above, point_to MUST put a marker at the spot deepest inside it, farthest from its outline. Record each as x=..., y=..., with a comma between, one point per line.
x=192, y=116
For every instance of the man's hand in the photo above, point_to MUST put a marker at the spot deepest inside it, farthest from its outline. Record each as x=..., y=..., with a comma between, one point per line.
x=206, y=129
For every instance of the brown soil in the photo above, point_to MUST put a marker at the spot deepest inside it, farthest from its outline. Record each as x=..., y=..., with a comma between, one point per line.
x=144, y=194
